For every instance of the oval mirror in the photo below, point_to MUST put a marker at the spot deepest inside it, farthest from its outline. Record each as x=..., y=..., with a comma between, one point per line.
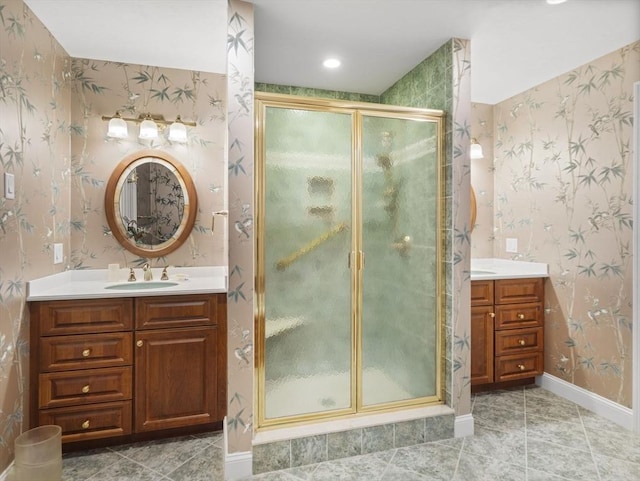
x=150, y=203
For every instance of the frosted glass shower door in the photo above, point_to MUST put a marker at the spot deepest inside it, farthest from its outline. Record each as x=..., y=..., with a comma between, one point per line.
x=307, y=283
x=400, y=278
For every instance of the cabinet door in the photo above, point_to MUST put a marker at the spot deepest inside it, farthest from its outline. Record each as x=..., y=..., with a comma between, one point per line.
x=176, y=378
x=481, y=345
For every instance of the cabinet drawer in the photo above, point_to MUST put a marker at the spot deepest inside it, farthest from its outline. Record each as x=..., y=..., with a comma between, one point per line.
x=518, y=341
x=62, y=353
x=85, y=387
x=481, y=293
x=81, y=423
x=511, y=291
x=175, y=311
x=83, y=316
x=518, y=366
x=523, y=315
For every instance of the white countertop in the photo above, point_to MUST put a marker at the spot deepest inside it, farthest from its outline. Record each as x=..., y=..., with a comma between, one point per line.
x=488, y=269
x=93, y=283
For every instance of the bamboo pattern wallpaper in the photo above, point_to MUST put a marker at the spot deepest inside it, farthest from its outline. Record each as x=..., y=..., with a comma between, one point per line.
x=240, y=308
x=34, y=147
x=482, y=171
x=102, y=88
x=563, y=188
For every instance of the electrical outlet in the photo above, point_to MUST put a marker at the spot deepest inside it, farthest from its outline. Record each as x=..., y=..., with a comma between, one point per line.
x=58, y=253
x=9, y=186
x=512, y=245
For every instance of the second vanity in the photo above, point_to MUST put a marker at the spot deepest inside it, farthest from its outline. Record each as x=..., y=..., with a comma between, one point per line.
x=507, y=322
x=120, y=361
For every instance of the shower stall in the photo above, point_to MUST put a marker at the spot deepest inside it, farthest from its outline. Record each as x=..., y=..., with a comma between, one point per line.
x=349, y=258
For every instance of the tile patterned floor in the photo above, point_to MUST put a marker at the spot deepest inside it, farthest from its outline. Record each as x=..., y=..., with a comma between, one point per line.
x=526, y=434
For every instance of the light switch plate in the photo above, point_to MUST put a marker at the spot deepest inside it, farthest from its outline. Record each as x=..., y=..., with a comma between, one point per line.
x=512, y=245
x=9, y=186
x=58, y=253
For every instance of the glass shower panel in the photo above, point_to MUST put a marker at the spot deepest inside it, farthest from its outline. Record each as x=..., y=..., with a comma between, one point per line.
x=307, y=238
x=399, y=239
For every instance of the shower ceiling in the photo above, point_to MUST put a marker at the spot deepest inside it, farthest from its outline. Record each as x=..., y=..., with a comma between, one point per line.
x=516, y=44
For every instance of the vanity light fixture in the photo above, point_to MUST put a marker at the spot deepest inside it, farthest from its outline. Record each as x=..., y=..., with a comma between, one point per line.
x=555, y=2
x=150, y=125
x=178, y=131
x=475, y=150
x=331, y=63
x=148, y=129
x=117, y=127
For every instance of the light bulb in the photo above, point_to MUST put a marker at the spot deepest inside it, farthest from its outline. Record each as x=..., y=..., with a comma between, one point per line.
x=117, y=127
x=148, y=129
x=178, y=131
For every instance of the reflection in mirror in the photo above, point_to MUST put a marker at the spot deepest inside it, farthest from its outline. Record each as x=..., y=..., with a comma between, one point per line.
x=150, y=203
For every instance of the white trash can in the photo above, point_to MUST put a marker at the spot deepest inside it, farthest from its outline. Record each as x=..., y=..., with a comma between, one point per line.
x=38, y=454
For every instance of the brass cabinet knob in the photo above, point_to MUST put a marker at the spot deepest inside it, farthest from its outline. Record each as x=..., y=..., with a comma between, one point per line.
x=139, y=343
x=85, y=389
x=522, y=342
x=492, y=315
x=521, y=367
x=520, y=316
x=86, y=353
x=85, y=425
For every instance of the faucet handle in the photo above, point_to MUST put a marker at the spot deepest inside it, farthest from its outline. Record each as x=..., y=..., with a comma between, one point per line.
x=132, y=275
x=164, y=276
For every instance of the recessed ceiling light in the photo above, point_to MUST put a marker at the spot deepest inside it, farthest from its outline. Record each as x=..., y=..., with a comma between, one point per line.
x=555, y=2
x=331, y=63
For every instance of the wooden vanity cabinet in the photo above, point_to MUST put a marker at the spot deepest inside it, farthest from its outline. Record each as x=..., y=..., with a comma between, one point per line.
x=180, y=372
x=115, y=368
x=507, y=332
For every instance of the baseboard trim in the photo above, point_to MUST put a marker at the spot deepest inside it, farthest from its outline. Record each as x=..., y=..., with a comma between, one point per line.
x=602, y=406
x=5, y=474
x=463, y=426
x=236, y=465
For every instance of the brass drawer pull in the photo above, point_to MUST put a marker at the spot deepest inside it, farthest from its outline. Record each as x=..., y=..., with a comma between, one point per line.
x=521, y=367
x=85, y=389
x=139, y=343
x=520, y=316
x=522, y=342
x=86, y=353
x=85, y=425
x=492, y=315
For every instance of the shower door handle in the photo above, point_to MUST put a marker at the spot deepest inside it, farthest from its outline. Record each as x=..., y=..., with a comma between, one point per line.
x=359, y=260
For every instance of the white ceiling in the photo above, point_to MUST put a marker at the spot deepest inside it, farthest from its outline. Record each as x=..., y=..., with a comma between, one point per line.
x=515, y=44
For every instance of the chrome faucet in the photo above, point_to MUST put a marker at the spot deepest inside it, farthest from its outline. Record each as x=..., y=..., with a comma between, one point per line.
x=165, y=276
x=132, y=275
x=148, y=275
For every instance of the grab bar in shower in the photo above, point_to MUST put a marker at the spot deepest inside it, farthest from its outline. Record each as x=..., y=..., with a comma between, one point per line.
x=287, y=261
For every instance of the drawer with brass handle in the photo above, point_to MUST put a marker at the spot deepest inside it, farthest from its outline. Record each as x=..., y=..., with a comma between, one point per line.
x=513, y=341
x=522, y=315
x=518, y=366
x=72, y=388
x=62, y=353
x=81, y=423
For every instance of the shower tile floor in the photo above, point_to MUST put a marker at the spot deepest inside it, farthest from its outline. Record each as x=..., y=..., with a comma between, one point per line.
x=525, y=434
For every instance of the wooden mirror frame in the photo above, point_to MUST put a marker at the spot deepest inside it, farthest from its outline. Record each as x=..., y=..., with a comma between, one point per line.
x=112, y=203
x=473, y=208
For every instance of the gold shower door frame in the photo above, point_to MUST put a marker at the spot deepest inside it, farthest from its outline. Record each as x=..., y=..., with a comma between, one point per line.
x=356, y=258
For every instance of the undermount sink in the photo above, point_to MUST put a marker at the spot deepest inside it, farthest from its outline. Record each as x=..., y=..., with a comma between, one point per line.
x=478, y=272
x=134, y=286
